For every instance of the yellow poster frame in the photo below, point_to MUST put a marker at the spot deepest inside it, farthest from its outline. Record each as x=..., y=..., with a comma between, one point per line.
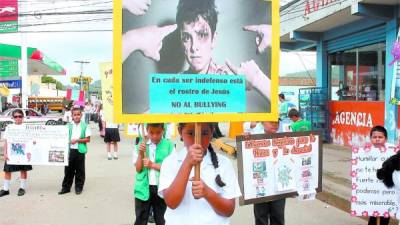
x=120, y=117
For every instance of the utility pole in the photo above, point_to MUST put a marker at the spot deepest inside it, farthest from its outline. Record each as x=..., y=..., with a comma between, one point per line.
x=81, y=74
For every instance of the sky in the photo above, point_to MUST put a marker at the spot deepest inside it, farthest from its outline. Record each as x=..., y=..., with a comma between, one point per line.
x=94, y=47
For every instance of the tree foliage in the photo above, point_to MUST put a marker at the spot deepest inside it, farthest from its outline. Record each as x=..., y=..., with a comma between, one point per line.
x=48, y=79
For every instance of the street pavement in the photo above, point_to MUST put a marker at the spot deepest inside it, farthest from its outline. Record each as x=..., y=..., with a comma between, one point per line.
x=107, y=198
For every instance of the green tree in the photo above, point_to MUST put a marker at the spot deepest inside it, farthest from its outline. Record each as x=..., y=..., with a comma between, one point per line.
x=47, y=79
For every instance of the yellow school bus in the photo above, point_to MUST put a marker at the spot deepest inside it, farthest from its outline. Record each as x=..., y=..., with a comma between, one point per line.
x=54, y=103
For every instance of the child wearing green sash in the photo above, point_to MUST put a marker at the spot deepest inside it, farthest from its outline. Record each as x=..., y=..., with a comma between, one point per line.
x=79, y=136
x=151, y=153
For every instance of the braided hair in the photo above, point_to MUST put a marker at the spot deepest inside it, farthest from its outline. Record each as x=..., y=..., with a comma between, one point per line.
x=214, y=160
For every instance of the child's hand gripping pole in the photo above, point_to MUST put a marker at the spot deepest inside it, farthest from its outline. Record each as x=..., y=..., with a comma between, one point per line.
x=144, y=136
x=197, y=140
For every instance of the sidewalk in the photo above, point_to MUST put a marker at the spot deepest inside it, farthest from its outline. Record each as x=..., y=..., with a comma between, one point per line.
x=108, y=199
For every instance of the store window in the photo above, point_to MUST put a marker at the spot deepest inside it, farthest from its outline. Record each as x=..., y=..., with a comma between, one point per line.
x=358, y=74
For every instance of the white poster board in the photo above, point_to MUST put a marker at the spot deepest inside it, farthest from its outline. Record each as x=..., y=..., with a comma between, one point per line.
x=369, y=196
x=37, y=145
x=279, y=165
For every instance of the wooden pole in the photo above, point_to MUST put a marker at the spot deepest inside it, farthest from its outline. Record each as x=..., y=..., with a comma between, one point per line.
x=197, y=140
x=144, y=137
x=378, y=220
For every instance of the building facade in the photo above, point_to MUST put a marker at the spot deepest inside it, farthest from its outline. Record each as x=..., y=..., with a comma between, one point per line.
x=353, y=40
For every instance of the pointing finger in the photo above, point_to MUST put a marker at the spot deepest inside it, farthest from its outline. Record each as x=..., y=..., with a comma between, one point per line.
x=232, y=67
x=165, y=30
x=254, y=28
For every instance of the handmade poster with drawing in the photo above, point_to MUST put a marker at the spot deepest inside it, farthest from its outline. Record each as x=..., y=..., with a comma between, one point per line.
x=285, y=176
x=29, y=144
x=276, y=166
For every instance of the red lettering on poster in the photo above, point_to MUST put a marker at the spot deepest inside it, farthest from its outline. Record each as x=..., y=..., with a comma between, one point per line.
x=260, y=153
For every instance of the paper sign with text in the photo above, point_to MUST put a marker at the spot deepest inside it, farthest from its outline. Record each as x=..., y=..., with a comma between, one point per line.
x=37, y=145
x=195, y=93
x=277, y=166
x=369, y=196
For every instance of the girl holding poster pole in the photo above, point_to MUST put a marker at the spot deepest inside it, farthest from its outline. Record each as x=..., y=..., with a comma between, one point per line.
x=211, y=199
x=18, y=117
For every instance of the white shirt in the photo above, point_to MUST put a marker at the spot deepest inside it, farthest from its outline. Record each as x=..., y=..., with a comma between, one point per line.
x=67, y=116
x=258, y=129
x=198, y=211
x=111, y=125
x=152, y=157
x=76, y=133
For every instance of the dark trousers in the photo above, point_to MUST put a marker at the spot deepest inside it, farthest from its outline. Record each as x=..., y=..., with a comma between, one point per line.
x=383, y=220
x=270, y=213
x=76, y=167
x=142, y=208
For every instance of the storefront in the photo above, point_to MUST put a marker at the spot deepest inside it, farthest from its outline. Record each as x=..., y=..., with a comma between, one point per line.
x=10, y=70
x=353, y=41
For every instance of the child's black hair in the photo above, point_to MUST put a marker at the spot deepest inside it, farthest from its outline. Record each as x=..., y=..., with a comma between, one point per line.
x=213, y=156
x=388, y=167
x=378, y=129
x=189, y=11
x=293, y=113
x=155, y=125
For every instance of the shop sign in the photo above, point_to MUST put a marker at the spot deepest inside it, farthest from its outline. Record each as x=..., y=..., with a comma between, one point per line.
x=351, y=122
x=11, y=83
x=8, y=16
x=8, y=68
x=314, y=5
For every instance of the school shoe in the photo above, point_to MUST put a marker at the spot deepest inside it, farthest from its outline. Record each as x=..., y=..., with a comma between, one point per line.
x=63, y=191
x=21, y=192
x=4, y=193
x=151, y=219
x=115, y=157
x=109, y=157
x=78, y=191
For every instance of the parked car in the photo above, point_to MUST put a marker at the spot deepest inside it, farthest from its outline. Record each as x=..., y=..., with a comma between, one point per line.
x=30, y=116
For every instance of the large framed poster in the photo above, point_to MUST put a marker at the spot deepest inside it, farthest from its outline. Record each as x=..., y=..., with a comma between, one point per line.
x=37, y=145
x=196, y=61
x=276, y=166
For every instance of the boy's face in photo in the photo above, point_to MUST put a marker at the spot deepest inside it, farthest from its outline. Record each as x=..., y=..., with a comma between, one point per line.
x=76, y=116
x=198, y=43
x=155, y=134
x=378, y=139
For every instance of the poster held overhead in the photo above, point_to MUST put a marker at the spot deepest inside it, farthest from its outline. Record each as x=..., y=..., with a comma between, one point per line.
x=160, y=77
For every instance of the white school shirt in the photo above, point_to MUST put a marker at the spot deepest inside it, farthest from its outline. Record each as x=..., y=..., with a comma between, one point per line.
x=111, y=125
x=152, y=157
x=198, y=211
x=76, y=133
